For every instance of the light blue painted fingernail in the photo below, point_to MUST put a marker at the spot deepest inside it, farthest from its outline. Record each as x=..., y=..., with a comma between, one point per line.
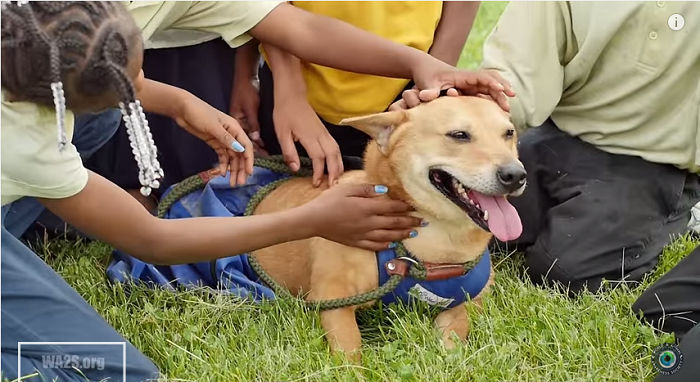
x=379, y=189
x=237, y=147
x=413, y=234
x=392, y=245
x=424, y=223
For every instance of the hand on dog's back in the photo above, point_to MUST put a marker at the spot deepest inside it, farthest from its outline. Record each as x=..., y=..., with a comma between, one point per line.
x=358, y=215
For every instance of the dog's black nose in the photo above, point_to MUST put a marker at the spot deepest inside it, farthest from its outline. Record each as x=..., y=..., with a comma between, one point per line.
x=511, y=176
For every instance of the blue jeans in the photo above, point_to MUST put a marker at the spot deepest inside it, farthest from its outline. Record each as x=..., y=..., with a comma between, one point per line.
x=41, y=311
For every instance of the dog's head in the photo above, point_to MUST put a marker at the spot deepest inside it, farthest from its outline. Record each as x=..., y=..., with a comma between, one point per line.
x=454, y=158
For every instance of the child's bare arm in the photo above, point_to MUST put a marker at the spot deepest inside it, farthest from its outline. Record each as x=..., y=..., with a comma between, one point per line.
x=326, y=41
x=108, y=213
x=245, y=95
x=452, y=31
x=295, y=119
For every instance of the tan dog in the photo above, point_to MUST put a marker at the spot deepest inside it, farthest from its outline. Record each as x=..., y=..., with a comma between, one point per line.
x=454, y=160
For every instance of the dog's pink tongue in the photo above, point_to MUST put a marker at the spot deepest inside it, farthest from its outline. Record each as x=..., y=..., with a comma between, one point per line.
x=504, y=221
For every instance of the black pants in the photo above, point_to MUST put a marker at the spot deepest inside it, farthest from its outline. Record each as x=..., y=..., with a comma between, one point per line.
x=690, y=348
x=205, y=70
x=352, y=142
x=589, y=215
x=673, y=302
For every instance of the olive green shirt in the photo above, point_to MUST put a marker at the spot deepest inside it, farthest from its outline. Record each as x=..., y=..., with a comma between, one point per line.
x=169, y=24
x=613, y=74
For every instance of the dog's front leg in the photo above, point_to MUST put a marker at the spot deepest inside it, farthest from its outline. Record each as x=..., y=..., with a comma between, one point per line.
x=342, y=332
x=453, y=322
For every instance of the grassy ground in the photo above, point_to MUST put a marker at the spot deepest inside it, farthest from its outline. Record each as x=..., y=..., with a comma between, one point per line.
x=524, y=334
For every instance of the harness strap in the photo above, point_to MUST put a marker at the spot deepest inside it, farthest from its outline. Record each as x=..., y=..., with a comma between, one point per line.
x=398, y=268
x=430, y=271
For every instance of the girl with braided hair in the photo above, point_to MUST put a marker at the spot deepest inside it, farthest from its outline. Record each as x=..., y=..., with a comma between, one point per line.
x=70, y=57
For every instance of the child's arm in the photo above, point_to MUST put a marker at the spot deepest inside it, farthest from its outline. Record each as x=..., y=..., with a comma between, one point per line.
x=298, y=121
x=245, y=98
x=451, y=35
x=314, y=39
x=325, y=41
x=108, y=213
x=329, y=42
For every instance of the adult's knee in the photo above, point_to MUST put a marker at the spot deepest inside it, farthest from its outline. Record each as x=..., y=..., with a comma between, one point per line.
x=650, y=309
x=552, y=269
x=670, y=304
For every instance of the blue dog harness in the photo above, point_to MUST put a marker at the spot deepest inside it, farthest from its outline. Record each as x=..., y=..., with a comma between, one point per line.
x=443, y=293
x=234, y=275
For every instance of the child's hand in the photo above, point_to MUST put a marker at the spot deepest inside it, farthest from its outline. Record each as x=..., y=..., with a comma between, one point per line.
x=245, y=102
x=437, y=76
x=356, y=215
x=222, y=133
x=295, y=120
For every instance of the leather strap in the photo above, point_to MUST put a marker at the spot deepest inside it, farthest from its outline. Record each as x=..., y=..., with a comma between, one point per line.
x=433, y=271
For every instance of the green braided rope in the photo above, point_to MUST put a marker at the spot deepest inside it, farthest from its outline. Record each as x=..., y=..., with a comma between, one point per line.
x=181, y=189
x=277, y=164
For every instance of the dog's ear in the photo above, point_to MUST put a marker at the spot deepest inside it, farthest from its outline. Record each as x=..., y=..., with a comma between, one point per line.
x=378, y=126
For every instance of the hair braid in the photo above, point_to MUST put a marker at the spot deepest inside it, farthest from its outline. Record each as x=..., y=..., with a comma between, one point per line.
x=84, y=45
x=44, y=42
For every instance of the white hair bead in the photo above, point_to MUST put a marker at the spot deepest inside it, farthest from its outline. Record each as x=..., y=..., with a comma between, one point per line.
x=143, y=147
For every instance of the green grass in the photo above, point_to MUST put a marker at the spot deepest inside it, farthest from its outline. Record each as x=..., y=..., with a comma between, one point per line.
x=525, y=333
x=486, y=19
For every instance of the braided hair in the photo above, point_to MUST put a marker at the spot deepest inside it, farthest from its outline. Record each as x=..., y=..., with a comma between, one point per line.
x=84, y=46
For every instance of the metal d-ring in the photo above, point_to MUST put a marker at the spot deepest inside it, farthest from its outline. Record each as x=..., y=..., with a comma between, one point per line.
x=410, y=260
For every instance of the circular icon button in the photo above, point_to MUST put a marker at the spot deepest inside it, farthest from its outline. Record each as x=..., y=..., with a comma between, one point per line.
x=667, y=359
x=676, y=22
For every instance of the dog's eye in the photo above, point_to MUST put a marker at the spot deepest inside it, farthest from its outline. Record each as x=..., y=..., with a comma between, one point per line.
x=462, y=136
x=509, y=133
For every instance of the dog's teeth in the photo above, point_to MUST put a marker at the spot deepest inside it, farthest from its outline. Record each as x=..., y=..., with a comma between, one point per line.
x=486, y=216
x=471, y=202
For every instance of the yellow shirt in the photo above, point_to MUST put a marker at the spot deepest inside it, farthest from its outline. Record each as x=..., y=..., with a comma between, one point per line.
x=613, y=74
x=31, y=162
x=336, y=94
x=168, y=24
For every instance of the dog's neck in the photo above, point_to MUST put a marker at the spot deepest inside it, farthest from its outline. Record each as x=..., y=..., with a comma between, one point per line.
x=441, y=241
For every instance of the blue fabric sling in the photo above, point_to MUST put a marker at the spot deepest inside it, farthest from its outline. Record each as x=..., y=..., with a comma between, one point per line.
x=234, y=275
x=231, y=274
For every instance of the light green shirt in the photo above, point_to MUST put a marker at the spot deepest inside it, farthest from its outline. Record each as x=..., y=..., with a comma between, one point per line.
x=31, y=162
x=613, y=74
x=168, y=24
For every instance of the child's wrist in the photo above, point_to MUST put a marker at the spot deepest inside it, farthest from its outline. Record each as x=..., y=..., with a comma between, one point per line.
x=290, y=95
x=305, y=220
x=179, y=100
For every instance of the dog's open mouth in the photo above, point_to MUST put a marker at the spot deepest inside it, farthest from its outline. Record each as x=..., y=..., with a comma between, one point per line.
x=492, y=213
